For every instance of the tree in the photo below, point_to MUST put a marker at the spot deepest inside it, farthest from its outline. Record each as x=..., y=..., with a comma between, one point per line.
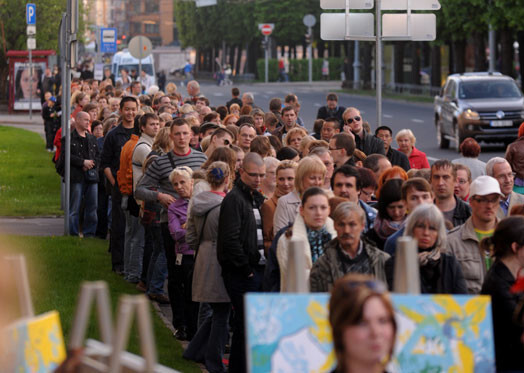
x=13, y=28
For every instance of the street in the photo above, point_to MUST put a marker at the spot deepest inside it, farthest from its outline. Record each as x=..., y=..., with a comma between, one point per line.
x=396, y=114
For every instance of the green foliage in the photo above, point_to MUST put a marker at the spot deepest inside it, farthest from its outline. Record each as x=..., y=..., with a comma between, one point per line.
x=48, y=16
x=298, y=69
x=29, y=184
x=58, y=266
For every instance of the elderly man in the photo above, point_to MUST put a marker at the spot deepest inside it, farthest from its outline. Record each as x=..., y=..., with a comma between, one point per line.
x=463, y=241
x=348, y=252
x=500, y=169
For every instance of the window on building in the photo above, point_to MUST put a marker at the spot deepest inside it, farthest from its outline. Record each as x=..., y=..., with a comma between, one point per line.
x=152, y=28
x=152, y=6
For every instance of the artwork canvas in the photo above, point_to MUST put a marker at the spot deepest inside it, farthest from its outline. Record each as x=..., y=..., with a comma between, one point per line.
x=436, y=333
x=34, y=344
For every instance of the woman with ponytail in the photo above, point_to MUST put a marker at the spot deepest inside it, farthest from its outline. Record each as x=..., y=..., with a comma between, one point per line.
x=507, y=248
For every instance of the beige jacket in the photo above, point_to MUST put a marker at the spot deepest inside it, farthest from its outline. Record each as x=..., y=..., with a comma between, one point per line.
x=299, y=232
x=515, y=199
x=464, y=245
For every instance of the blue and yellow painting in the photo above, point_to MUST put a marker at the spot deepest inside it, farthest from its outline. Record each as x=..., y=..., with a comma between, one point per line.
x=436, y=333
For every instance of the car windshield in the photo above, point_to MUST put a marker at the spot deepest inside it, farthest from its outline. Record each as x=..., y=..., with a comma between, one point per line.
x=488, y=89
x=148, y=68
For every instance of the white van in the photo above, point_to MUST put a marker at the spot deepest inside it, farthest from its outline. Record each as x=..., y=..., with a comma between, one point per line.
x=124, y=59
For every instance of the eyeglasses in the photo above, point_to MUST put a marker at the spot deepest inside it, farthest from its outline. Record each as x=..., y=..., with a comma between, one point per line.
x=508, y=176
x=350, y=120
x=227, y=142
x=484, y=200
x=462, y=181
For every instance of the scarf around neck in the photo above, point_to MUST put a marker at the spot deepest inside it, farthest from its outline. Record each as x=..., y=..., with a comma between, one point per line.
x=385, y=227
x=317, y=240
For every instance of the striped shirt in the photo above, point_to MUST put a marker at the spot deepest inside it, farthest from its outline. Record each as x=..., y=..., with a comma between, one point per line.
x=156, y=178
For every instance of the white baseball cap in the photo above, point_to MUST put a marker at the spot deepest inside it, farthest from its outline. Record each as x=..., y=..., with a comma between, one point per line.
x=483, y=186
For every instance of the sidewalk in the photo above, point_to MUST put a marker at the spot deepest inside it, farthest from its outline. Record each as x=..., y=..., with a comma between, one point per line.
x=36, y=124
x=52, y=226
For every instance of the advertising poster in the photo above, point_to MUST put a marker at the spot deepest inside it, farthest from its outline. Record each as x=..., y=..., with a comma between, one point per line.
x=25, y=89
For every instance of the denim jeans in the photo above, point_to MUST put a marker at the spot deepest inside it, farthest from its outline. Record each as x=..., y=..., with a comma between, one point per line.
x=133, y=248
x=237, y=285
x=210, y=340
x=157, y=271
x=89, y=193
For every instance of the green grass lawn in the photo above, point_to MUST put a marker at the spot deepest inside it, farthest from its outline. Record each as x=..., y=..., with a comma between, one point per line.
x=29, y=184
x=57, y=267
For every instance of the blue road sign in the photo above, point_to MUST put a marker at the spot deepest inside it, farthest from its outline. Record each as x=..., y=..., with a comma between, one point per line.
x=30, y=14
x=108, y=40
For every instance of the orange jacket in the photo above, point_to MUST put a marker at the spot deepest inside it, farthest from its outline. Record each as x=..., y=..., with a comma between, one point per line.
x=124, y=174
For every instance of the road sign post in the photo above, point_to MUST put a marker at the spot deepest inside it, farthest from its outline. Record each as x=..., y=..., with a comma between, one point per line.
x=140, y=47
x=390, y=26
x=30, y=15
x=310, y=21
x=266, y=29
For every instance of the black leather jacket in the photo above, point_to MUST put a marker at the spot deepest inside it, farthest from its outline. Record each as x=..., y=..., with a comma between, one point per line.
x=78, y=155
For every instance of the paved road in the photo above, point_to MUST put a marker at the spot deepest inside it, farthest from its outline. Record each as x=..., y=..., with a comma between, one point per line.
x=396, y=114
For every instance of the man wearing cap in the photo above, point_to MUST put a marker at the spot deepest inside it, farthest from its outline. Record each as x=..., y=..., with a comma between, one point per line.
x=500, y=169
x=463, y=241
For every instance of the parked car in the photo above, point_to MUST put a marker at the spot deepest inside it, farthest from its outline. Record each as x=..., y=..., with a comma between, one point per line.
x=486, y=106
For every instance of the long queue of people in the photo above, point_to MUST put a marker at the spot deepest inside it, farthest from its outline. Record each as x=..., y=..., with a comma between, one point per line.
x=210, y=198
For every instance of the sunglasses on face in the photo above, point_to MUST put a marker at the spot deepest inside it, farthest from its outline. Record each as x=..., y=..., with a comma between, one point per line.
x=226, y=142
x=356, y=119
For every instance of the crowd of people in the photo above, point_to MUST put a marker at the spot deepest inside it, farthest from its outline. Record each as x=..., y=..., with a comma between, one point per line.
x=212, y=200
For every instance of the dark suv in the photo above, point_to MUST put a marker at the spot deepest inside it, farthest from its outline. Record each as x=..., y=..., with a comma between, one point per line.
x=486, y=106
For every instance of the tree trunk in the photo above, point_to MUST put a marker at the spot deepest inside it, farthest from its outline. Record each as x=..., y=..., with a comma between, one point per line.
x=350, y=55
x=398, y=55
x=506, y=52
x=451, y=58
x=239, y=59
x=321, y=45
x=305, y=49
x=252, y=56
x=436, y=68
x=459, y=56
x=366, y=52
x=520, y=39
x=479, y=48
x=415, y=63
x=231, y=59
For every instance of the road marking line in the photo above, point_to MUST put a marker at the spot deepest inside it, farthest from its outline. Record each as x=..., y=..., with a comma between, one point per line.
x=218, y=94
x=431, y=159
x=387, y=116
x=417, y=120
x=317, y=104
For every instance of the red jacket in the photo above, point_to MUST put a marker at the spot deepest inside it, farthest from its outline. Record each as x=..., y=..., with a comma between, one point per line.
x=418, y=159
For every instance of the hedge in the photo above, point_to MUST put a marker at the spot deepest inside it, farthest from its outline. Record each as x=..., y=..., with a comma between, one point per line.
x=298, y=69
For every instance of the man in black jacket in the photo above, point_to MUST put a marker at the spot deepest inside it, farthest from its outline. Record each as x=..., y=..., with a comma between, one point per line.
x=395, y=157
x=240, y=248
x=364, y=141
x=84, y=176
x=110, y=163
x=331, y=110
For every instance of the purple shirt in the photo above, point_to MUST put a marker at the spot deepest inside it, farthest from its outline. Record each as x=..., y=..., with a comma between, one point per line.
x=177, y=216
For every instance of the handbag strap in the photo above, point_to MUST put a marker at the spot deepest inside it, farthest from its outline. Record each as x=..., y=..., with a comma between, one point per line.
x=171, y=159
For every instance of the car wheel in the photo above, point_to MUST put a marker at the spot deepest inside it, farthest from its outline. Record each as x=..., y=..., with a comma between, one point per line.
x=442, y=141
x=458, y=137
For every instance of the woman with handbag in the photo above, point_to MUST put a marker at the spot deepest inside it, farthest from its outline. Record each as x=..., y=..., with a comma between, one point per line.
x=208, y=344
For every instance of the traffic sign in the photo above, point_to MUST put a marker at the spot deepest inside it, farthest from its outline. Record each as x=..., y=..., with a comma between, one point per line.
x=309, y=20
x=31, y=30
x=413, y=5
x=341, y=4
x=30, y=14
x=358, y=26
x=140, y=47
x=108, y=37
x=31, y=43
x=418, y=27
x=266, y=28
